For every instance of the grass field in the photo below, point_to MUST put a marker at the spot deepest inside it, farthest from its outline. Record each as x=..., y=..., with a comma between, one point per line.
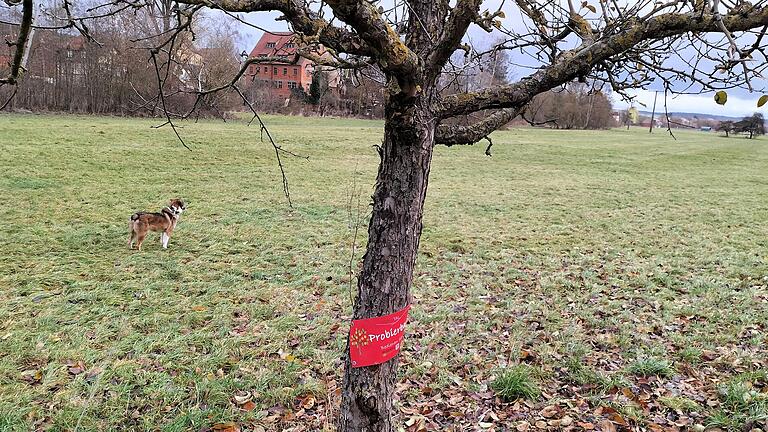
x=611, y=279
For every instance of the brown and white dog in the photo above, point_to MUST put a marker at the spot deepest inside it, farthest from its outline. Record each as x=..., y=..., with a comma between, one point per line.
x=141, y=223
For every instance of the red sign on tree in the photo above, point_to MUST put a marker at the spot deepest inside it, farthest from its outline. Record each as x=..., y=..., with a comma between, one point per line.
x=376, y=340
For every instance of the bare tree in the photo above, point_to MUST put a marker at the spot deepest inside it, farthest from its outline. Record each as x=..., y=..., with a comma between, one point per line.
x=754, y=125
x=578, y=106
x=726, y=126
x=707, y=43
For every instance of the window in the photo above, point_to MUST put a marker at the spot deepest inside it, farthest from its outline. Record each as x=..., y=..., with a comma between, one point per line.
x=289, y=45
x=274, y=70
x=295, y=71
x=285, y=71
x=270, y=44
x=292, y=84
x=279, y=84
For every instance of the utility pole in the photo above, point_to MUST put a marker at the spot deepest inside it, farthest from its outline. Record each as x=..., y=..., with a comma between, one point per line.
x=653, y=113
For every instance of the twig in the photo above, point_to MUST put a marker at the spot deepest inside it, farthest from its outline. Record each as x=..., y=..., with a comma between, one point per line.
x=355, y=225
x=263, y=129
x=666, y=112
x=162, y=100
x=490, y=144
x=10, y=98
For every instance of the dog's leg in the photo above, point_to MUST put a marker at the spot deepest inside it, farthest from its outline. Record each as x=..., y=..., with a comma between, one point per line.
x=140, y=240
x=165, y=237
x=131, y=235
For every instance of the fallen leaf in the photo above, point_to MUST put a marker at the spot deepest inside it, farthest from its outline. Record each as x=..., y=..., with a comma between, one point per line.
x=607, y=426
x=32, y=375
x=308, y=402
x=226, y=427
x=550, y=411
x=76, y=368
x=241, y=399
x=248, y=406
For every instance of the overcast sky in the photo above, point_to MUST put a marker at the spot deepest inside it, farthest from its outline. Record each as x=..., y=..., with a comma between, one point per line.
x=740, y=102
x=737, y=105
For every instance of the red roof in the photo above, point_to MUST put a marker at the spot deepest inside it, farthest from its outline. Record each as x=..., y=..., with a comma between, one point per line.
x=275, y=44
x=76, y=43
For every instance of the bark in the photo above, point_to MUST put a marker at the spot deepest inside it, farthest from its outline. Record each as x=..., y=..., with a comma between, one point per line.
x=22, y=45
x=393, y=241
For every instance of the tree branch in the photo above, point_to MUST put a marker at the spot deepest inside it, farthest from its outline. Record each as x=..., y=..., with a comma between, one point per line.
x=302, y=19
x=580, y=61
x=21, y=44
x=391, y=54
x=450, y=135
x=462, y=15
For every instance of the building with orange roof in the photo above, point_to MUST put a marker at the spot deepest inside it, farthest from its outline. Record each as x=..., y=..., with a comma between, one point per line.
x=289, y=70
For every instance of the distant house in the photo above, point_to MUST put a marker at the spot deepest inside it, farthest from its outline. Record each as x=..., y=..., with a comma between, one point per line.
x=75, y=56
x=57, y=55
x=6, y=50
x=5, y=61
x=289, y=70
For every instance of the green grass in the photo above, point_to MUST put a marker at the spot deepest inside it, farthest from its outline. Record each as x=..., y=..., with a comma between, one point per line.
x=744, y=400
x=678, y=403
x=651, y=366
x=691, y=355
x=515, y=382
x=616, y=241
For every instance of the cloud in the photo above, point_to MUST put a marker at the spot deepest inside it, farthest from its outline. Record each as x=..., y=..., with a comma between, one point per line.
x=737, y=105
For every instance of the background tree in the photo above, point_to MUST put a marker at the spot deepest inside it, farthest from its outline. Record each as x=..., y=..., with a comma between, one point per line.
x=363, y=93
x=753, y=125
x=320, y=91
x=577, y=106
x=106, y=70
x=725, y=126
x=625, y=119
x=625, y=45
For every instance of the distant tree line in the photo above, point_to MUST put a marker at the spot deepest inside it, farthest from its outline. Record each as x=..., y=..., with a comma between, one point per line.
x=577, y=106
x=753, y=125
x=111, y=74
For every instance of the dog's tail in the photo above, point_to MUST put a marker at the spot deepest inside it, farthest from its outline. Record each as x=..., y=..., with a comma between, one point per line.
x=134, y=217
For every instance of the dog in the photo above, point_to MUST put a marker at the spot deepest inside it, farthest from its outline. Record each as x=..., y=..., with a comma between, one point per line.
x=142, y=222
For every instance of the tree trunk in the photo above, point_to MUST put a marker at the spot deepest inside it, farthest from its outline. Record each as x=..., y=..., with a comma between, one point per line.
x=393, y=241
